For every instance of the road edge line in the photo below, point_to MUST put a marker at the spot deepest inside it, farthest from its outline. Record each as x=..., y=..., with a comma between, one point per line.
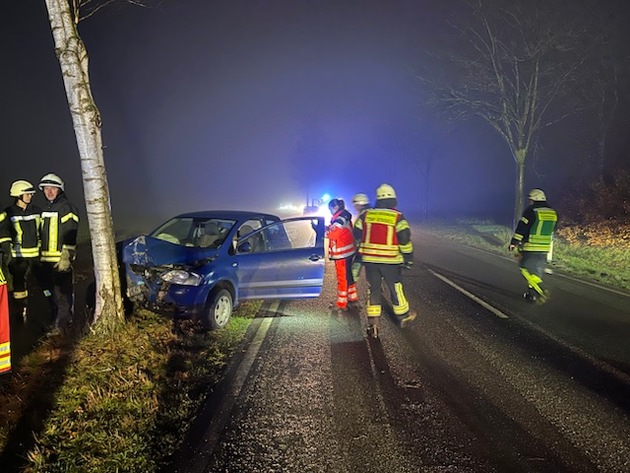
x=470, y=295
x=212, y=434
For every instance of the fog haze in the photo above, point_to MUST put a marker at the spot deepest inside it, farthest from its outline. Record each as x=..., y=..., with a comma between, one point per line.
x=248, y=105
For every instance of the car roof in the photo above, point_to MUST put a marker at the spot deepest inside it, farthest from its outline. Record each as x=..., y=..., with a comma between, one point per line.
x=228, y=214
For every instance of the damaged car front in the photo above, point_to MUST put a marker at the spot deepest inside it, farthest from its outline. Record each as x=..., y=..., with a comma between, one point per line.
x=173, y=269
x=166, y=277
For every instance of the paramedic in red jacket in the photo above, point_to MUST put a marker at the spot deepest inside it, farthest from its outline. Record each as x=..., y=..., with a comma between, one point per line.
x=341, y=249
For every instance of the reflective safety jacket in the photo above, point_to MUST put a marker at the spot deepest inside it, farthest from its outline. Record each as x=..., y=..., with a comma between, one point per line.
x=535, y=229
x=385, y=236
x=340, y=239
x=5, y=335
x=5, y=233
x=60, y=222
x=22, y=230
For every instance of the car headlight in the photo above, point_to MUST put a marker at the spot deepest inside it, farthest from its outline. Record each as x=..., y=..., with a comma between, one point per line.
x=181, y=277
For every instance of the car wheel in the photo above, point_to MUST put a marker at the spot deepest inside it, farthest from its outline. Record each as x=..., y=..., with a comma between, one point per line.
x=218, y=309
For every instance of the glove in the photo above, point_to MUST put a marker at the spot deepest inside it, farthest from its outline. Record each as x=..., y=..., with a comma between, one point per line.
x=64, y=262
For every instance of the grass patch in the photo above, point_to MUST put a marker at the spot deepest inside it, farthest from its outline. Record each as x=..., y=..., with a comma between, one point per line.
x=118, y=403
x=606, y=261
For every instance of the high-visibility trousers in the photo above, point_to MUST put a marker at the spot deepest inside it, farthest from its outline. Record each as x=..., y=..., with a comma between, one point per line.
x=346, y=288
x=5, y=336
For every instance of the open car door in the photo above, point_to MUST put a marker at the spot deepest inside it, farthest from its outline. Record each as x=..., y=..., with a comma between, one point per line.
x=283, y=260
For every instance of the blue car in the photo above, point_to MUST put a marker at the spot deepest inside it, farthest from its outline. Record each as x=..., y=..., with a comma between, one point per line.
x=202, y=264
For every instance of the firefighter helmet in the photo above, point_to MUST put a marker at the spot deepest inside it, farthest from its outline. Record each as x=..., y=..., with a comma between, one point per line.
x=385, y=191
x=360, y=199
x=537, y=195
x=21, y=187
x=51, y=180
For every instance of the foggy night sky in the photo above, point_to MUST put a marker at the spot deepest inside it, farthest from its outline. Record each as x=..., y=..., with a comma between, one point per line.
x=226, y=104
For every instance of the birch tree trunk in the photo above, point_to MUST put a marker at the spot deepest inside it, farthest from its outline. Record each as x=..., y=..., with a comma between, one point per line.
x=86, y=119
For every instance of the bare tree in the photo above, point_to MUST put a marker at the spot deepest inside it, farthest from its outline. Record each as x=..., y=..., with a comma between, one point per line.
x=423, y=163
x=516, y=59
x=603, y=83
x=64, y=16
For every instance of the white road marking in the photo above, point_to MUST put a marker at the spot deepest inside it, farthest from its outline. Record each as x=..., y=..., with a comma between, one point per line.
x=212, y=434
x=600, y=364
x=470, y=295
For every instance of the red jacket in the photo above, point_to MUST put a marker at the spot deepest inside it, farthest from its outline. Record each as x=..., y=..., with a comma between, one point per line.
x=5, y=337
x=340, y=239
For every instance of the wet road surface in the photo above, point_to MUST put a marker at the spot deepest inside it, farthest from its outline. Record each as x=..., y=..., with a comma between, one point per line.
x=460, y=390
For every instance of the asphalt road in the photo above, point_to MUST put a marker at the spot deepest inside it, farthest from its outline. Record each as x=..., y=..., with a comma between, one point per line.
x=481, y=382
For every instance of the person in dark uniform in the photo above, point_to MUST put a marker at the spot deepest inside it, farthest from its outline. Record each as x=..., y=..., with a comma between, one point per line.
x=60, y=222
x=532, y=241
x=386, y=248
x=21, y=234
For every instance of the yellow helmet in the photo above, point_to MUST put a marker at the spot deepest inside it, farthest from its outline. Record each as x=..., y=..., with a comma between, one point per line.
x=360, y=199
x=537, y=195
x=21, y=187
x=385, y=191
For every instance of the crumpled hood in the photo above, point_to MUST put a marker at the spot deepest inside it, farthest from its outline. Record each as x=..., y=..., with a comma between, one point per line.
x=150, y=252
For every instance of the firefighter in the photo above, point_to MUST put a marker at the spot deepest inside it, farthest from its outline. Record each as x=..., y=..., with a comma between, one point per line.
x=532, y=241
x=341, y=250
x=60, y=222
x=361, y=203
x=386, y=248
x=22, y=229
x=5, y=246
x=5, y=335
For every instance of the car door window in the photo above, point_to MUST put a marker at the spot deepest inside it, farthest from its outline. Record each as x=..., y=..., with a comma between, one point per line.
x=285, y=235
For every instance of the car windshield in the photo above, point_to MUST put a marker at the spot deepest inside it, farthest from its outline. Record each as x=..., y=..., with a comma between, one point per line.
x=195, y=232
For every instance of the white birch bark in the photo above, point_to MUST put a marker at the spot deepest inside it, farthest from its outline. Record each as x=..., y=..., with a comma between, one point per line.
x=86, y=120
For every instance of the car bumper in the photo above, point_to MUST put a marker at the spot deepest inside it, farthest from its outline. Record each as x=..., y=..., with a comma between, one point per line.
x=170, y=299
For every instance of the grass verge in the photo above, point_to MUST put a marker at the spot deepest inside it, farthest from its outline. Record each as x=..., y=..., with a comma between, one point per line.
x=606, y=261
x=104, y=404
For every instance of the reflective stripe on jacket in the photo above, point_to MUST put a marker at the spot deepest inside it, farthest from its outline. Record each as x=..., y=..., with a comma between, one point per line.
x=385, y=237
x=5, y=228
x=5, y=335
x=24, y=230
x=60, y=222
x=340, y=239
x=536, y=227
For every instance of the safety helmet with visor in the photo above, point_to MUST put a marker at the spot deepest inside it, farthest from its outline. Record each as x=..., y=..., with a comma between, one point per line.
x=21, y=187
x=360, y=199
x=537, y=195
x=385, y=191
x=51, y=180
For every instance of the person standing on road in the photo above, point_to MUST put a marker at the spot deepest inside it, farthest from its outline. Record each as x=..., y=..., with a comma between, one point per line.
x=5, y=334
x=532, y=240
x=341, y=250
x=60, y=222
x=361, y=203
x=22, y=231
x=386, y=248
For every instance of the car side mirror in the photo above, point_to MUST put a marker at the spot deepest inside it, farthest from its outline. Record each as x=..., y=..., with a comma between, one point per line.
x=245, y=247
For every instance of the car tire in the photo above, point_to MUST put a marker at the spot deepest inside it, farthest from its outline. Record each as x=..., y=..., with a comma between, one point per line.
x=218, y=309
